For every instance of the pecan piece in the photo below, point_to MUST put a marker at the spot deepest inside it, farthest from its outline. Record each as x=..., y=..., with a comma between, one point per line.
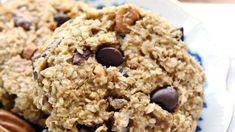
x=12, y=123
x=29, y=51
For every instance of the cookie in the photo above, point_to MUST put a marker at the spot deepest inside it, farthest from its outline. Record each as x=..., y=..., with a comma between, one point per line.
x=18, y=82
x=118, y=69
x=24, y=25
x=31, y=21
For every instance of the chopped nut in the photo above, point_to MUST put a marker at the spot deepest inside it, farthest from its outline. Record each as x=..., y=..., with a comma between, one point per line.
x=123, y=72
x=194, y=125
x=22, y=20
x=94, y=95
x=2, y=129
x=125, y=18
x=29, y=51
x=99, y=70
x=121, y=119
x=52, y=25
x=42, y=65
x=172, y=62
x=45, y=100
x=118, y=103
x=35, y=75
x=79, y=57
x=11, y=122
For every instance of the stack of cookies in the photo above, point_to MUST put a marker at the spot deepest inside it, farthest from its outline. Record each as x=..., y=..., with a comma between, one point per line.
x=65, y=66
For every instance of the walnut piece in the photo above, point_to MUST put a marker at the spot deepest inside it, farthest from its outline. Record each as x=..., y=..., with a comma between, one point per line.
x=125, y=18
x=29, y=51
x=99, y=70
x=118, y=103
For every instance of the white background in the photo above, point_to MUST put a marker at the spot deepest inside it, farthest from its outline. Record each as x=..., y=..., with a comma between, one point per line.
x=219, y=20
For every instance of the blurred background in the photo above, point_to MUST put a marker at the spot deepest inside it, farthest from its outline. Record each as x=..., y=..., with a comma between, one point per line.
x=210, y=1
x=218, y=18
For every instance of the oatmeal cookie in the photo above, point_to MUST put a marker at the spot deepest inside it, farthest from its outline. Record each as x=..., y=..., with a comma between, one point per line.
x=27, y=22
x=24, y=25
x=118, y=69
x=17, y=81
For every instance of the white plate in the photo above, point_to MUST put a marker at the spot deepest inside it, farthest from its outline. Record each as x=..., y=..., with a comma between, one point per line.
x=217, y=110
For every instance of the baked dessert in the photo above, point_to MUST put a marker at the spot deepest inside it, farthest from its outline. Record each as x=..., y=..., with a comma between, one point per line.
x=18, y=85
x=29, y=22
x=24, y=25
x=118, y=69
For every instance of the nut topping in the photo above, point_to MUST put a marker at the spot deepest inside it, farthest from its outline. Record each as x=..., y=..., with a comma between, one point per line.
x=12, y=123
x=126, y=17
x=29, y=51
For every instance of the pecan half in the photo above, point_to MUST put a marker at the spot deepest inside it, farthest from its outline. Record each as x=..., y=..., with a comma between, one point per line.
x=12, y=123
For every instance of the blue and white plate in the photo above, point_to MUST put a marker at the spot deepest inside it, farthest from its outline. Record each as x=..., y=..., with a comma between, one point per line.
x=217, y=109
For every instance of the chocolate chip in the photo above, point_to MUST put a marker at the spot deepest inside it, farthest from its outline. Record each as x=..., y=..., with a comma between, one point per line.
x=22, y=21
x=35, y=75
x=11, y=103
x=82, y=128
x=39, y=128
x=87, y=53
x=124, y=73
x=100, y=6
x=44, y=54
x=36, y=57
x=1, y=105
x=61, y=18
x=166, y=97
x=78, y=57
x=122, y=35
x=12, y=96
x=182, y=31
x=109, y=56
x=94, y=31
x=109, y=123
x=45, y=100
